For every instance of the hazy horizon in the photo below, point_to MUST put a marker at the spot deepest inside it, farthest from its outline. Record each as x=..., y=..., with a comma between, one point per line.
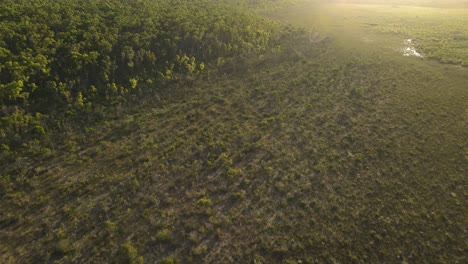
x=424, y=3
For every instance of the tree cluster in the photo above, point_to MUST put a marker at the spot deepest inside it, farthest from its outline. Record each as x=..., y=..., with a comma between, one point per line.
x=58, y=58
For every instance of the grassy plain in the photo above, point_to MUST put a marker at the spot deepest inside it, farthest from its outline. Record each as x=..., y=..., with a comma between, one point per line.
x=437, y=33
x=327, y=150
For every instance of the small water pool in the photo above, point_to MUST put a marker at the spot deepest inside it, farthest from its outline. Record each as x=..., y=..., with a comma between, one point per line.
x=409, y=49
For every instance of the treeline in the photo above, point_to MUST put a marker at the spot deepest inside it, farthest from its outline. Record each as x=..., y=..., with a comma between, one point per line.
x=64, y=58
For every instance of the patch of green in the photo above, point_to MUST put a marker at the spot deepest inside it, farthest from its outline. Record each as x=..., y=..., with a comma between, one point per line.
x=130, y=254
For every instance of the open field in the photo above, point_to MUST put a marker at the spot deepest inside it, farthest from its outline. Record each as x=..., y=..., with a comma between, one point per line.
x=331, y=148
x=436, y=33
x=420, y=3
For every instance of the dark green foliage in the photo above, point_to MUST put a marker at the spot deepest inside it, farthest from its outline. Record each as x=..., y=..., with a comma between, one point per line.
x=65, y=58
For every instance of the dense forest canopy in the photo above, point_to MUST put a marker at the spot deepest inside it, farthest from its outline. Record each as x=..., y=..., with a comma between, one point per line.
x=61, y=57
